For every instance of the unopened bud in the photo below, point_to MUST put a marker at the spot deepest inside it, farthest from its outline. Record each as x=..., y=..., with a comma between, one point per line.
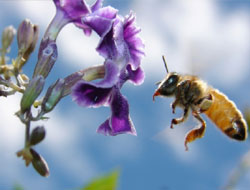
x=7, y=37
x=27, y=36
x=33, y=44
x=46, y=60
x=53, y=95
x=33, y=90
x=37, y=135
x=39, y=163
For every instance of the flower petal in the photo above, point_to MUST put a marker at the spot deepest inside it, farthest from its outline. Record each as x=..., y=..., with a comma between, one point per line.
x=120, y=121
x=73, y=9
x=97, y=5
x=88, y=95
x=112, y=44
x=105, y=128
x=111, y=77
x=101, y=20
x=92, y=94
x=133, y=41
x=137, y=76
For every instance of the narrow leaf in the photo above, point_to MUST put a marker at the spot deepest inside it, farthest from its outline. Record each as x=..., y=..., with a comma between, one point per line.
x=106, y=182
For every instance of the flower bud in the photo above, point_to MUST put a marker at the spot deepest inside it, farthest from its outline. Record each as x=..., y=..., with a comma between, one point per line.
x=33, y=90
x=27, y=36
x=39, y=163
x=46, y=60
x=7, y=37
x=33, y=44
x=53, y=95
x=37, y=135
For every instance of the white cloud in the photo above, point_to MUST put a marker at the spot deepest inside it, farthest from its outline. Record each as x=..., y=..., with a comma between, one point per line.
x=174, y=139
x=196, y=37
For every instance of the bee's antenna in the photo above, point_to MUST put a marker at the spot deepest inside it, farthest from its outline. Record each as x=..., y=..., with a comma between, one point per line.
x=165, y=63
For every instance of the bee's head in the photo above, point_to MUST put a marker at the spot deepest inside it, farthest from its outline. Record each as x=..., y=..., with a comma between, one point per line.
x=168, y=85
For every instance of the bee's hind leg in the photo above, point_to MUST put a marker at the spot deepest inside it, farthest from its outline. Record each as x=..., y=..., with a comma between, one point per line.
x=176, y=121
x=197, y=132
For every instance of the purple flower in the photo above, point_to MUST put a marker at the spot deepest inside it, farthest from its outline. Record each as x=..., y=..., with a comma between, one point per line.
x=74, y=10
x=67, y=11
x=123, y=50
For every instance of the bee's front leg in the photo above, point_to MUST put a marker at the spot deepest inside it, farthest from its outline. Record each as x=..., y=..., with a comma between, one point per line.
x=173, y=105
x=176, y=121
x=197, y=132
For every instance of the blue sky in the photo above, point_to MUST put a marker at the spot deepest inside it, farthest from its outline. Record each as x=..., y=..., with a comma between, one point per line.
x=208, y=38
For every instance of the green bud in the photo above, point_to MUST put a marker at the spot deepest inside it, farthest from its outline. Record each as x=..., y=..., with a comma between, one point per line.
x=27, y=36
x=33, y=90
x=53, y=95
x=39, y=163
x=7, y=37
x=46, y=60
x=37, y=135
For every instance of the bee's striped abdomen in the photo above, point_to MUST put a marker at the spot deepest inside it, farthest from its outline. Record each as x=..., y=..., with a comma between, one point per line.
x=224, y=113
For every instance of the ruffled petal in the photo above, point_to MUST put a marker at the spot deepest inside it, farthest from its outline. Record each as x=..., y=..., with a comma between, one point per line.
x=133, y=41
x=119, y=122
x=137, y=76
x=122, y=43
x=110, y=42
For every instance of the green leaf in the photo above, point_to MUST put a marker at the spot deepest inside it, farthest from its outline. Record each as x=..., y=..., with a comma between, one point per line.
x=107, y=182
x=18, y=187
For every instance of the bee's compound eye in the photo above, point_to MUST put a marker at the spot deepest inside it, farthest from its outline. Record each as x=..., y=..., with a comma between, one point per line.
x=169, y=86
x=171, y=80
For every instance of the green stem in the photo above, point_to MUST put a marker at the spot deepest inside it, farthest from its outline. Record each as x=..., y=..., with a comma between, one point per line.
x=27, y=133
x=93, y=73
x=55, y=26
x=17, y=64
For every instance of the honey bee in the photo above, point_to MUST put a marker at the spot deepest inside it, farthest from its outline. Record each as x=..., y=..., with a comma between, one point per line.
x=193, y=94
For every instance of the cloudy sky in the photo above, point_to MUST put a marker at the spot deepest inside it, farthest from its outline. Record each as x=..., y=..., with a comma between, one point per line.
x=209, y=38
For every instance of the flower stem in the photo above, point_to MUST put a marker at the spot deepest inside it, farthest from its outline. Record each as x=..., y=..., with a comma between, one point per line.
x=55, y=26
x=27, y=133
x=93, y=73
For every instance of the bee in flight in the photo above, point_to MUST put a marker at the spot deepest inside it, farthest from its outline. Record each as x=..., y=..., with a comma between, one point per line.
x=193, y=94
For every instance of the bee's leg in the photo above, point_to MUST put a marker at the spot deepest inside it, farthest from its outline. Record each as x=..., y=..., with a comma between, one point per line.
x=176, y=121
x=173, y=105
x=197, y=132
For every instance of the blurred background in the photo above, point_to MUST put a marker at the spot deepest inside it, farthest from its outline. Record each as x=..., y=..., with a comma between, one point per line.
x=209, y=38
